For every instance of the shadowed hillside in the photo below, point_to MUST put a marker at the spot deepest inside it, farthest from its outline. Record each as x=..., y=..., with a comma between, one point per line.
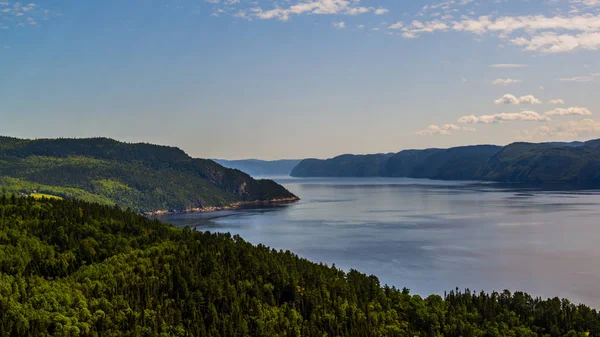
x=574, y=163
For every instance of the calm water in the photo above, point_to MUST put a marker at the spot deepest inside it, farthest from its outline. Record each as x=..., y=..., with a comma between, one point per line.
x=434, y=236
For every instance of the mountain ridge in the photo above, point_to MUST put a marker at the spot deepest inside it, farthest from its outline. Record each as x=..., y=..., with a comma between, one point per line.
x=572, y=163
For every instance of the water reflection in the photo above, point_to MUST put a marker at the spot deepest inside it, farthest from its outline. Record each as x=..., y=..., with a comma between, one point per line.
x=434, y=236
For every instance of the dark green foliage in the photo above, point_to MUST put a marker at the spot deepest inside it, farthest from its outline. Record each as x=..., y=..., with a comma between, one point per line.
x=347, y=165
x=460, y=163
x=403, y=163
x=71, y=268
x=576, y=164
x=545, y=163
x=143, y=177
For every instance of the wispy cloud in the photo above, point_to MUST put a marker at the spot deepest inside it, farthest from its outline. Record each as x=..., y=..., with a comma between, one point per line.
x=505, y=81
x=443, y=130
x=585, y=127
x=569, y=111
x=528, y=116
x=316, y=7
x=509, y=65
x=586, y=78
x=578, y=79
x=512, y=99
x=537, y=33
x=339, y=25
x=21, y=15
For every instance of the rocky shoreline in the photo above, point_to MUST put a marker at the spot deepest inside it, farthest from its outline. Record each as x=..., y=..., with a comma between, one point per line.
x=234, y=206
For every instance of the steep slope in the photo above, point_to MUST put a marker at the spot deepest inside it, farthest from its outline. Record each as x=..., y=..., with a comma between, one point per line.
x=458, y=163
x=70, y=268
x=545, y=164
x=343, y=166
x=404, y=163
x=144, y=177
x=257, y=168
x=572, y=163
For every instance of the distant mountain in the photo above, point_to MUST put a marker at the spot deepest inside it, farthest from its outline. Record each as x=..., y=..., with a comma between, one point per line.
x=343, y=166
x=459, y=163
x=258, y=168
x=545, y=164
x=144, y=177
x=595, y=142
x=575, y=163
x=573, y=144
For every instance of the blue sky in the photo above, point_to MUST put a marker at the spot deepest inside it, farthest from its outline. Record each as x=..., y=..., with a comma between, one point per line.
x=294, y=79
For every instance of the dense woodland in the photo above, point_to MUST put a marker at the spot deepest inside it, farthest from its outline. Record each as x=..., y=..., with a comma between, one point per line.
x=72, y=268
x=143, y=177
x=576, y=164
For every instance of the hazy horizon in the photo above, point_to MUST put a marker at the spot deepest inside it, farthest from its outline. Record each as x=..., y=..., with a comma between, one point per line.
x=282, y=159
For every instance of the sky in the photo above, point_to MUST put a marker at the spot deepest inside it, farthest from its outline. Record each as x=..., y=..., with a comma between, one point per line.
x=274, y=79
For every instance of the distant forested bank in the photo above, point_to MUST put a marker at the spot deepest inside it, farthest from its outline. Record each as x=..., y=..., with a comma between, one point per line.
x=576, y=164
x=72, y=268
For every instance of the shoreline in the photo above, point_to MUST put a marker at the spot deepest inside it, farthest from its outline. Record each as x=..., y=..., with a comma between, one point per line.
x=230, y=207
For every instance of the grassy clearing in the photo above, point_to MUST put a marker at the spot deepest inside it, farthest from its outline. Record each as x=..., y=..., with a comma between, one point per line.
x=42, y=195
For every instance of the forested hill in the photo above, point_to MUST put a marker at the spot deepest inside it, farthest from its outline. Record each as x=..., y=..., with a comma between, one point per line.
x=574, y=163
x=429, y=163
x=71, y=268
x=144, y=177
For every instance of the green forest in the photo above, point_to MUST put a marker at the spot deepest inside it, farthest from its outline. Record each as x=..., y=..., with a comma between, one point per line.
x=143, y=177
x=573, y=164
x=73, y=268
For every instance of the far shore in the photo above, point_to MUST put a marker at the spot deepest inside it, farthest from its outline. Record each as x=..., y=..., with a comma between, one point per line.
x=234, y=206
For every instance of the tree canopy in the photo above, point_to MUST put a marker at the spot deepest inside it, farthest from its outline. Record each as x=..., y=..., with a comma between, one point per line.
x=73, y=268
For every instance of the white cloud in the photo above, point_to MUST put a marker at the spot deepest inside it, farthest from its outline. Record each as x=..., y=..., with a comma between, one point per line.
x=444, y=130
x=545, y=34
x=585, y=127
x=528, y=24
x=417, y=27
x=551, y=42
x=556, y=101
x=569, y=111
x=505, y=81
x=508, y=65
x=538, y=33
x=21, y=15
x=316, y=7
x=578, y=79
x=396, y=25
x=339, y=25
x=512, y=99
x=528, y=116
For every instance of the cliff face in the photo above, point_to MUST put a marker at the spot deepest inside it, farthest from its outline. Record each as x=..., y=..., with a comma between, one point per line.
x=143, y=177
